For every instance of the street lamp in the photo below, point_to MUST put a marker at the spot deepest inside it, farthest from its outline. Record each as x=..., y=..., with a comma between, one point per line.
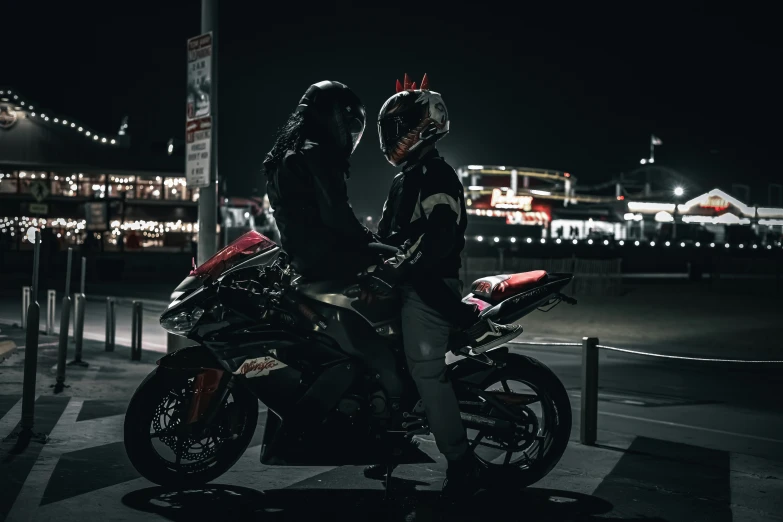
x=678, y=191
x=643, y=161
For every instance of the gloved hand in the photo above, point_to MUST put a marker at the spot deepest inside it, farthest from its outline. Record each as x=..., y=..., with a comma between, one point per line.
x=378, y=283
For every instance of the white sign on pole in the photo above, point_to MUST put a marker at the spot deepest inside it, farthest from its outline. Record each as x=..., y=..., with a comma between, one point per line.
x=198, y=129
x=197, y=148
x=199, y=76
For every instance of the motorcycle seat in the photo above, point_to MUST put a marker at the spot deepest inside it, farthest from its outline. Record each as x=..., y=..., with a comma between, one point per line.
x=494, y=289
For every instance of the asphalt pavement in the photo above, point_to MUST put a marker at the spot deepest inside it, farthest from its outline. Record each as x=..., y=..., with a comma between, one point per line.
x=675, y=442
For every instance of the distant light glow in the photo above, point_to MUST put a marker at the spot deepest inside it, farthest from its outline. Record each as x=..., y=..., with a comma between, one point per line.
x=541, y=192
x=636, y=243
x=476, y=167
x=479, y=238
x=643, y=161
x=497, y=240
x=513, y=240
x=679, y=191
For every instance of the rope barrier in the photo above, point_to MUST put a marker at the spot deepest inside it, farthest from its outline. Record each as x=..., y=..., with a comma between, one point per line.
x=536, y=343
x=683, y=358
x=647, y=354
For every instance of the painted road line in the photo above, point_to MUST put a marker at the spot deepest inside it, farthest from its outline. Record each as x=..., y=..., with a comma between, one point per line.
x=29, y=497
x=11, y=419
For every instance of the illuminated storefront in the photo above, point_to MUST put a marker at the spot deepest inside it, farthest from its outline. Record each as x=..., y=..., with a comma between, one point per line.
x=714, y=216
x=87, y=186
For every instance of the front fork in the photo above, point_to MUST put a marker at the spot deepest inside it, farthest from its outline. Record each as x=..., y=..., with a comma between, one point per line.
x=205, y=397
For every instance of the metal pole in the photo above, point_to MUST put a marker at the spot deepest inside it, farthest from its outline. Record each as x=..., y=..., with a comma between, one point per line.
x=65, y=313
x=68, y=274
x=51, y=304
x=652, y=149
x=84, y=272
x=25, y=304
x=136, y=324
x=208, y=196
x=589, y=422
x=78, y=332
x=31, y=347
x=111, y=324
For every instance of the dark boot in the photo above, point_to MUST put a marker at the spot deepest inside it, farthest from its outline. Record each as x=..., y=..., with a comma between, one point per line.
x=462, y=478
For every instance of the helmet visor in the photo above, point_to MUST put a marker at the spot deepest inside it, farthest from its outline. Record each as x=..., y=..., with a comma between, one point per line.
x=356, y=129
x=392, y=128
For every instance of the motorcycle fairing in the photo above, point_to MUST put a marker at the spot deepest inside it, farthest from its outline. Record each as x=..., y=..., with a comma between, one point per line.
x=379, y=314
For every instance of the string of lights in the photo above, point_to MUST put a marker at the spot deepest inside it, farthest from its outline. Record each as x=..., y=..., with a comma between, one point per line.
x=30, y=109
x=14, y=225
x=622, y=242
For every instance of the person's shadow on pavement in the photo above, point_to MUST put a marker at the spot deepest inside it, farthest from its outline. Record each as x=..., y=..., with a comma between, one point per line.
x=223, y=502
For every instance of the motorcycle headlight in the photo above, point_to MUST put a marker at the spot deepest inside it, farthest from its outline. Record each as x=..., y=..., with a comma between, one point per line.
x=182, y=322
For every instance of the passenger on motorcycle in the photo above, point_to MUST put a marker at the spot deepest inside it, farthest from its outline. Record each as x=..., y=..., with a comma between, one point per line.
x=306, y=174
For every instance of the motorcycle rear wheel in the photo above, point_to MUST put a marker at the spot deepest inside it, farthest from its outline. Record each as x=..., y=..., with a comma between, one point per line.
x=547, y=434
x=145, y=409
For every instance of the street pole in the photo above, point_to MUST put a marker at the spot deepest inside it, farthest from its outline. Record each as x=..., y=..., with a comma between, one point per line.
x=208, y=196
x=652, y=148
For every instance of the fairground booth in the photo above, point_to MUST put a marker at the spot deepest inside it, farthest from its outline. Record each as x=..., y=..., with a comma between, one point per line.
x=86, y=185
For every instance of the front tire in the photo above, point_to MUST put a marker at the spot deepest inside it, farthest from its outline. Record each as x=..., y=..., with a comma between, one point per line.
x=152, y=404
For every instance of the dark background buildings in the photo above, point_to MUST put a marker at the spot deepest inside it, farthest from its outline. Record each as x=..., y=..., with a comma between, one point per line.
x=574, y=88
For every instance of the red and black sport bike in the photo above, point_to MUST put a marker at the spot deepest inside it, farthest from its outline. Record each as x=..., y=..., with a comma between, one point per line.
x=329, y=368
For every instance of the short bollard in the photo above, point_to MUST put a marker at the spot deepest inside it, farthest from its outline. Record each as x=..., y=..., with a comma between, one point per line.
x=589, y=421
x=78, y=333
x=51, y=303
x=25, y=304
x=65, y=314
x=111, y=323
x=136, y=331
x=76, y=298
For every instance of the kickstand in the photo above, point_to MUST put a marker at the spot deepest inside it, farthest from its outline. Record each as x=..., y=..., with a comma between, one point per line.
x=387, y=486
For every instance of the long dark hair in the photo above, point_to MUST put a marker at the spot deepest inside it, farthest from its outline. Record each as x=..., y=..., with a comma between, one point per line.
x=290, y=136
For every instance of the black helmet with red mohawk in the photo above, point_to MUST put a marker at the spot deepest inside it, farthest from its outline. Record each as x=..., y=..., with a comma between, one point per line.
x=411, y=119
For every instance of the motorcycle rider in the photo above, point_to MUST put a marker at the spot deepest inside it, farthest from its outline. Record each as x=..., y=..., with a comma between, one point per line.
x=306, y=174
x=425, y=215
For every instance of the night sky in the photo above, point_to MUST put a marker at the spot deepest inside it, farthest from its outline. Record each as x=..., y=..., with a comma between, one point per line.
x=571, y=89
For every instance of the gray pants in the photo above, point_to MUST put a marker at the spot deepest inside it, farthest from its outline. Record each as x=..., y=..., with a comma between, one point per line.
x=425, y=335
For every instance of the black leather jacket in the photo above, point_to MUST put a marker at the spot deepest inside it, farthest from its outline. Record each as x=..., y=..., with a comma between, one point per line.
x=425, y=215
x=318, y=228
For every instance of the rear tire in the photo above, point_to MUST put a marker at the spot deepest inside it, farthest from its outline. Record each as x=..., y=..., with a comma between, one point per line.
x=154, y=467
x=556, y=403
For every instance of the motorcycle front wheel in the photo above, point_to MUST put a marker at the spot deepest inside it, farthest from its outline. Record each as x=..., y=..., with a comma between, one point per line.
x=162, y=456
x=537, y=404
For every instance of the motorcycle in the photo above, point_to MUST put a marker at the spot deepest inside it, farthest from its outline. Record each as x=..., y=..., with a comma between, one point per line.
x=329, y=367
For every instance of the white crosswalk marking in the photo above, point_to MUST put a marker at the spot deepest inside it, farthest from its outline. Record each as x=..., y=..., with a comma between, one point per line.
x=11, y=419
x=33, y=489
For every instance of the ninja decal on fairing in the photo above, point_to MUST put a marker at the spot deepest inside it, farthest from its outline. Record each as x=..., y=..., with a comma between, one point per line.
x=259, y=367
